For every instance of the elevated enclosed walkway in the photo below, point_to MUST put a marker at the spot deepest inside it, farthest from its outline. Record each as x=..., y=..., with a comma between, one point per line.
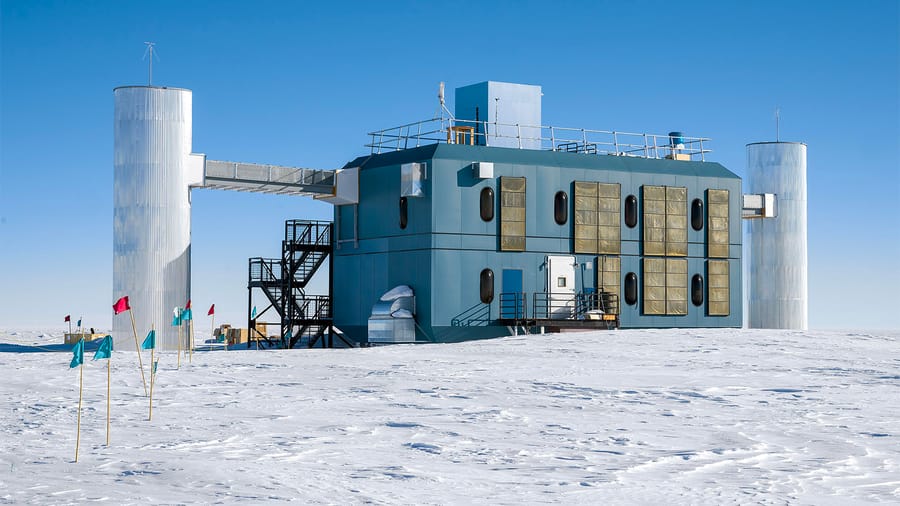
x=263, y=178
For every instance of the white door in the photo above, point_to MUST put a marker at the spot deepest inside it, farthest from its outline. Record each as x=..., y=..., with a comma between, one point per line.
x=561, y=286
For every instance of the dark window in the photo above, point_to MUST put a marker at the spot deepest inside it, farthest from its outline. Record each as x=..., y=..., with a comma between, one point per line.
x=631, y=289
x=403, y=214
x=697, y=214
x=487, y=204
x=561, y=208
x=631, y=211
x=697, y=289
x=487, y=286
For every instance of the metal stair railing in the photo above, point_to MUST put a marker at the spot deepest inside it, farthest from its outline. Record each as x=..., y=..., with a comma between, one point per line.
x=477, y=315
x=513, y=306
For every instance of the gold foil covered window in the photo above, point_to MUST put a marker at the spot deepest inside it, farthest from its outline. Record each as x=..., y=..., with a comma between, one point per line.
x=654, y=200
x=719, y=295
x=598, y=218
x=665, y=221
x=676, y=222
x=654, y=286
x=512, y=214
x=665, y=286
x=717, y=238
x=586, y=217
x=609, y=222
x=608, y=274
x=676, y=286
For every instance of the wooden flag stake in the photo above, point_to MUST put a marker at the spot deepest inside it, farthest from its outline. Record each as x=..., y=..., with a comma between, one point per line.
x=80, y=395
x=138, y=348
x=179, y=346
x=108, y=381
x=191, y=339
x=152, y=380
x=212, y=331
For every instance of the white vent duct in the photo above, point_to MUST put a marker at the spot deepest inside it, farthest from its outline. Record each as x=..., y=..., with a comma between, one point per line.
x=779, y=296
x=152, y=175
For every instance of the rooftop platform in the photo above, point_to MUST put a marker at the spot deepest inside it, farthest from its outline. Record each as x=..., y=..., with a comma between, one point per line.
x=544, y=138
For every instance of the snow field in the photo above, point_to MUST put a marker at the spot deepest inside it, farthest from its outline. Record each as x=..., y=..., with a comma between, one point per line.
x=625, y=417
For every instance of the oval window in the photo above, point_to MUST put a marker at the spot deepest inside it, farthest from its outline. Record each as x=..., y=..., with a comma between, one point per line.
x=631, y=211
x=697, y=289
x=403, y=212
x=487, y=286
x=631, y=288
x=697, y=215
x=487, y=204
x=561, y=208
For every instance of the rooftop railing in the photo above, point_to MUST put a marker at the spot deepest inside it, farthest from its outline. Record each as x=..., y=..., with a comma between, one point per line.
x=548, y=138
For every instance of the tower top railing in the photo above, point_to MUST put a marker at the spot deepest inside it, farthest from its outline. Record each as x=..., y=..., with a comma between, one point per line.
x=546, y=138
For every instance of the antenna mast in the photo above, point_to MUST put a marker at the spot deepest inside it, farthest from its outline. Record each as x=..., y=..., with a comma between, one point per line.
x=777, y=126
x=150, y=50
x=442, y=104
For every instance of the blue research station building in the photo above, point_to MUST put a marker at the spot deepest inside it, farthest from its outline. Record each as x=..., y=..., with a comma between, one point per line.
x=497, y=226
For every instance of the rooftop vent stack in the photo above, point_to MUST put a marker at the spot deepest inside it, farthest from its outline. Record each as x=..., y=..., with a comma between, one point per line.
x=778, y=288
x=153, y=169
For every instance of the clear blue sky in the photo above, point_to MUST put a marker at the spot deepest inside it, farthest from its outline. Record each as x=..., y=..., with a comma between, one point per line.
x=300, y=83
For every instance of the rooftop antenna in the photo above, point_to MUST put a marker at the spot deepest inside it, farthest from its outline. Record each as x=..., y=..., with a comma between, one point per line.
x=777, y=120
x=443, y=106
x=496, y=113
x=149, y=51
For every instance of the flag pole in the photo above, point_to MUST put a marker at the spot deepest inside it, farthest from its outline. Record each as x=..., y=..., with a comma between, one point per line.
x=191, y=339
x=70, y=325
x=137, y=347
x=179, y=346
x=80, y=395
x=152, y=376
x=108, y=381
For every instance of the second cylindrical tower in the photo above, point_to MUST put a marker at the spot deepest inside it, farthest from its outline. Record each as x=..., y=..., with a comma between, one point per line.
x=779, y=297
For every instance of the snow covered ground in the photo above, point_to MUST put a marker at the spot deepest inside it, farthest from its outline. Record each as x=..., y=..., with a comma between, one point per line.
x=624, y=417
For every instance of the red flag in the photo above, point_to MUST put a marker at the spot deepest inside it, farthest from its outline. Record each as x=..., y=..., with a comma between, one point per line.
x=121, y=305
x=68, y=318
x=188, y=305
x=212, y=310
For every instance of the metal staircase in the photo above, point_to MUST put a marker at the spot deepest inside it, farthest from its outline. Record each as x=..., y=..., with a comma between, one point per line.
x=305, y=320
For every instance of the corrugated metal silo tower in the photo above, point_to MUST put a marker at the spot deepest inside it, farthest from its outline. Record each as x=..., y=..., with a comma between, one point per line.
x=778, y=248
x=153, y=172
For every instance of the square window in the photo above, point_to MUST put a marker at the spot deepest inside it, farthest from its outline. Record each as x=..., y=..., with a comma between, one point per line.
x=561, y=281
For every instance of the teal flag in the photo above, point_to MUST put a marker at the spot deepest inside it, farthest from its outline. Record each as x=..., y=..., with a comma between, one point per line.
x=176, y=319
x=78, y=352
x=105, y=349
x=253, y=313
x=150, y=341
x=187, y=315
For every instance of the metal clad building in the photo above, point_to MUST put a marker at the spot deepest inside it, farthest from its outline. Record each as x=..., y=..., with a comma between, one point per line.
x=628, y=226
